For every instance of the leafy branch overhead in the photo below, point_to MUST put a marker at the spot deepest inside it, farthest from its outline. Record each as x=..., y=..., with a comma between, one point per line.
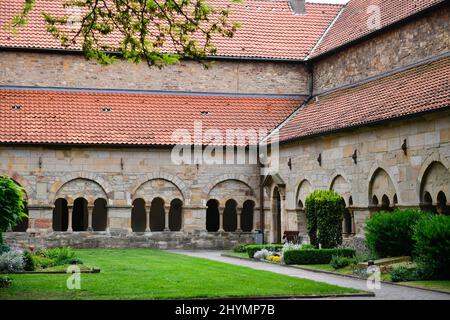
x=159, y=32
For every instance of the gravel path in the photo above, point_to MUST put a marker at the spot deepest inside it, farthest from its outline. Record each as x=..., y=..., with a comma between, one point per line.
x=387, y=291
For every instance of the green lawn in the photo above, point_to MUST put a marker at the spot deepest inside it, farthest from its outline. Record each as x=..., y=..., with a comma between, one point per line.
x=443, y=285
x=155, y=274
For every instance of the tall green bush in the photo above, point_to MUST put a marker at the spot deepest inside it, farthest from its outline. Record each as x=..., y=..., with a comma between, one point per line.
x=390, y=234
x=11, y=204
x=324, y=214
x=432, y=245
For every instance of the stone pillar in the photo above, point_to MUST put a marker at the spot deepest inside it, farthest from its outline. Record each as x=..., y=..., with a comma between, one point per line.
x=166, y=218
x=147, y=218
x=239, y=214
x=90, y=210
x=69, y=218
x=221, y=219
x=107, y=221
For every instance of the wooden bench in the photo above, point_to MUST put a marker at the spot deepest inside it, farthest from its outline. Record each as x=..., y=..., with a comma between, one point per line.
x=291, y=236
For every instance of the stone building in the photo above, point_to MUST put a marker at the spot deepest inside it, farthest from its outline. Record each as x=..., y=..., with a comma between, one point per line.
x=358, y=96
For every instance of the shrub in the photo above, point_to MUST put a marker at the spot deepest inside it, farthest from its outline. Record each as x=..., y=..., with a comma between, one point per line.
x=262, y=254
x=11, y=204
x=316, y=256
x=324, y=213
x=60, y=256
x=432, y=246
x=252, y=249
x=43, y=262
x=11, y=261
x=28, y=261
x=339, y=262
x=402, y=273
x=390, y=234
x=240, y=248
x=5, y=282
x=4, y=248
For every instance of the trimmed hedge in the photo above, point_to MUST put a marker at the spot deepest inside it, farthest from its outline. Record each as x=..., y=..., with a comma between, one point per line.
x=251, y=249
x=324, y=214
x=316, y=256
x=432, y=246
x=390, y=234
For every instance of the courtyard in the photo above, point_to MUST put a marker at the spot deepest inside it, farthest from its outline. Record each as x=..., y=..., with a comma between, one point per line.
x=155, y=274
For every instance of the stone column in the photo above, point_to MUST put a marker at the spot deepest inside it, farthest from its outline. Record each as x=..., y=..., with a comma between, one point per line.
x=166, y=218
x=69, y=222
x=147, y=218
x=107, y=221
x=239, y=214
x=221, y=219
x=90, y=210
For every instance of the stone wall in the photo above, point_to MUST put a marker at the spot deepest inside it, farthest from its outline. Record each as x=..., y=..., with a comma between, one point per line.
x=382, y=168
x=72, y=70
x=399, y=47
x=92, y=173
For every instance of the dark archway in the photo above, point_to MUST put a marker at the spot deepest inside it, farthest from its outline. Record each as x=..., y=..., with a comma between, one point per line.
x=60, y=215
x=80, y=215
x=247, y=216
x=442, y=207
x=157, y=215
x=385, y=203
x=99, y=215
x=138, y=216
x=212, y=215
x=427, y=203
x=230, y=216
x=175, y=215
x=22, y=226
x=276, y=211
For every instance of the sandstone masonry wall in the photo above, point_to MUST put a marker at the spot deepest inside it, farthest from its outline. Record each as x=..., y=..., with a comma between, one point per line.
x=410, y=43
x=72, y=70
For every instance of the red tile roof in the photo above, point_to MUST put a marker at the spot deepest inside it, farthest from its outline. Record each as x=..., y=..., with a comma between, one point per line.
x=420, y=89
x=352, y=22
x=76, y=117
x=269, y=29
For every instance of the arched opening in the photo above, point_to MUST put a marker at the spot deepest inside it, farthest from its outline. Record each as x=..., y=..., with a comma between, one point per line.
x=60, y=215
x=375, y=201
x=247, y=216
x=276, y=212
x=138, y=216
x=395, y=200
x=22, y=225
x=99, y=215
x=385, y=203
x=427, y=203
x=175, y=215
x=80, y=215
x=442, y=204
x=212, y=215
x=157, y=215
x=300, y=205
x=350, y=201
x=230, y=216
x=347, y=220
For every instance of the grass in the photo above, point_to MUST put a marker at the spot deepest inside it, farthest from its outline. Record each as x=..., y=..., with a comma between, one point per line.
x=238, y=254
x=442, y=285
x=155, y=274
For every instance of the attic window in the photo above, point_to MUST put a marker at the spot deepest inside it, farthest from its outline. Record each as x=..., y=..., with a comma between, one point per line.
x=204, y=113
x=106, y=109
x=16, y=107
